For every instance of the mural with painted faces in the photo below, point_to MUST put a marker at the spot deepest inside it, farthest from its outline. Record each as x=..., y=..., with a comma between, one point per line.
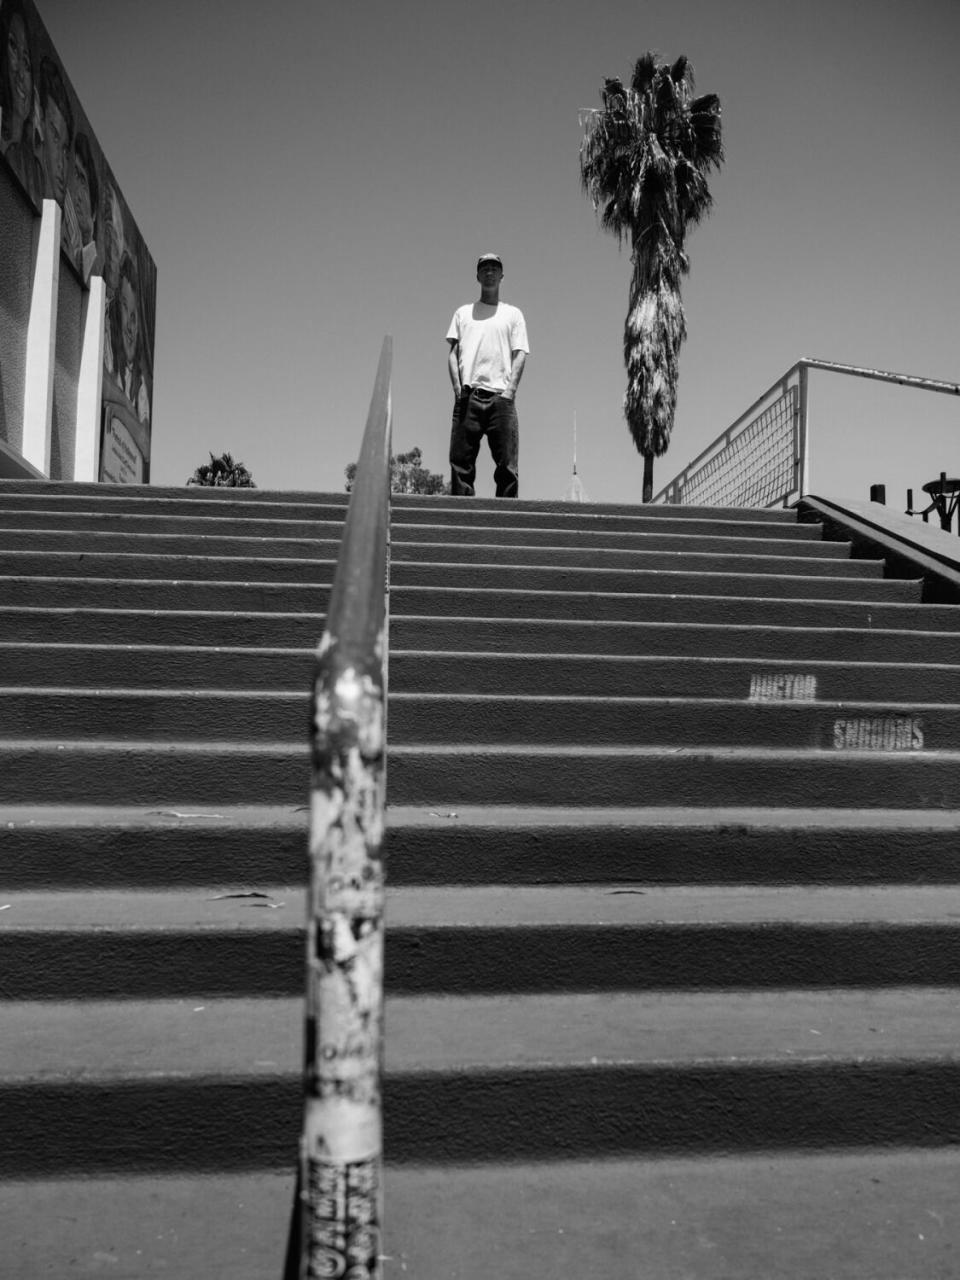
x=48, y=147
x=129, y=317
x=113, y=237
x=83, y=187
x=57, y=120
x=16, y=64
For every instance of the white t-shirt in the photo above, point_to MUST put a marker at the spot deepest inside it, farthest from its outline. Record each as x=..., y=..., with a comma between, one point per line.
x=486, y=337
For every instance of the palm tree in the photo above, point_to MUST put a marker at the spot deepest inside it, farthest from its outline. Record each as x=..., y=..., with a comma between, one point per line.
x=644, y=158
x=223, y=472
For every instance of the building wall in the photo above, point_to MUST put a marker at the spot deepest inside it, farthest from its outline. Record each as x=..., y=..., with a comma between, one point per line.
x=99, y=239
x=17, y=256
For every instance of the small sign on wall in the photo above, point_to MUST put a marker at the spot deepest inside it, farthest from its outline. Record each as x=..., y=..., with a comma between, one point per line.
x=120, y=459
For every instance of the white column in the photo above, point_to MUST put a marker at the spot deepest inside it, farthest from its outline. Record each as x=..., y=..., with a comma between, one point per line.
x=90, y=385
x=42, y=342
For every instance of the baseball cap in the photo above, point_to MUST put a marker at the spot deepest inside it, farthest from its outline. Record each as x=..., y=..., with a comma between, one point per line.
x=489, y=257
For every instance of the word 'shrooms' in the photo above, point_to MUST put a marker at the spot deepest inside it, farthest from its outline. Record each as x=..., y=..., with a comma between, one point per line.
x=879, y=733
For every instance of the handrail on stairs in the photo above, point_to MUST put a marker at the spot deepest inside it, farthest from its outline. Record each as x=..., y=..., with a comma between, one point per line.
x=763, y=459
x=338, y=1209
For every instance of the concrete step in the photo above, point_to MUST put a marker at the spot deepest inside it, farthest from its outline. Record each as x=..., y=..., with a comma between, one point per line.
x=680, y=722
x=778, y=560
x=681, y=535
x=81, y=495
x=164, y=594
x=631, y=558
x=208, y=715
x=488, y=602
x=57, y=771
x=752, y=609
x=816, y=581
x=721, y=845
x=162, y=626
x=269, y=716
x=175, y=542
x=617, y=675
x=156, y=666
x=499, y=674
x=248, y=523
x=468, y=1078
x=871, y=1212
x=505, y=635
x=464, y=511
x=404, y=507
x=699, y=777
x=569, y=578
x=704, y=639
x=134, y=501
x=662, y=535
x=716, y=535
x=91, y=847
x=243, y=941
x=121, y=567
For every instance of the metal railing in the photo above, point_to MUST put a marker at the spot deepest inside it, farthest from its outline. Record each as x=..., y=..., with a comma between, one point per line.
x=763, y=459
x=336, y=1227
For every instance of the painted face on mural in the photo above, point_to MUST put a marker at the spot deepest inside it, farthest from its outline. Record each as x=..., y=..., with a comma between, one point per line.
x=19, y=70
x=113, y=237
x=129, y=320
x=56, y=143
x=81, y=198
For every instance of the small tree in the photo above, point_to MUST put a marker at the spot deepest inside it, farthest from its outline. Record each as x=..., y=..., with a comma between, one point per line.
x=407, y=475
x=223, y=472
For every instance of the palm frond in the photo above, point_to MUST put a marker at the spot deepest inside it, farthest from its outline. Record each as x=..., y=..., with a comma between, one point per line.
x=644, y=70
x=612, y=92
x=707, y=129
x=667, y=97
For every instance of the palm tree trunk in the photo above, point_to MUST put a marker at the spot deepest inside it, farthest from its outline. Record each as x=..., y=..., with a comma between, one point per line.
x=652, y=335
x=647, y=477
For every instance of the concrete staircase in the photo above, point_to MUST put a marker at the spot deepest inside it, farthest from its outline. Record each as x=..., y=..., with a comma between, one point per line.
x=673, y=931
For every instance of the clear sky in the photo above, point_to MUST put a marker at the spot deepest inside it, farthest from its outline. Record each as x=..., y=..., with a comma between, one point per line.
x=312, y=175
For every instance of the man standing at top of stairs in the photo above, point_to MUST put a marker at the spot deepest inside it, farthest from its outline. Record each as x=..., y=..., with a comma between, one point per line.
x=488, y=349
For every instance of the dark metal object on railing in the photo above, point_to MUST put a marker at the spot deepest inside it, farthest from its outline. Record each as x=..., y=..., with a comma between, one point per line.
x=945, y=495
x=763, y=459
x=338, y=1214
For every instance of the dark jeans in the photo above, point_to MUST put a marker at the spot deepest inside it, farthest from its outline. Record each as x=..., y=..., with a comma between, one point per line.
x=475, y=415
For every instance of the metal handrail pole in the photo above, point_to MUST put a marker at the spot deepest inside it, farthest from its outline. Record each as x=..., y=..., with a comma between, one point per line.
x=803, y=417
x=338, y=1217
x=880, y=375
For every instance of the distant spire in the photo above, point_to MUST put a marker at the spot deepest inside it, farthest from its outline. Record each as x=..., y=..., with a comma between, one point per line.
x=575, y=491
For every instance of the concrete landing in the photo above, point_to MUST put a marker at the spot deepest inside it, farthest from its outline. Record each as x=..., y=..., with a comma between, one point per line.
x=865, y=1215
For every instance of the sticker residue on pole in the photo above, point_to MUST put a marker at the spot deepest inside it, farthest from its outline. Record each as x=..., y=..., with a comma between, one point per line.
x=345, y=1232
